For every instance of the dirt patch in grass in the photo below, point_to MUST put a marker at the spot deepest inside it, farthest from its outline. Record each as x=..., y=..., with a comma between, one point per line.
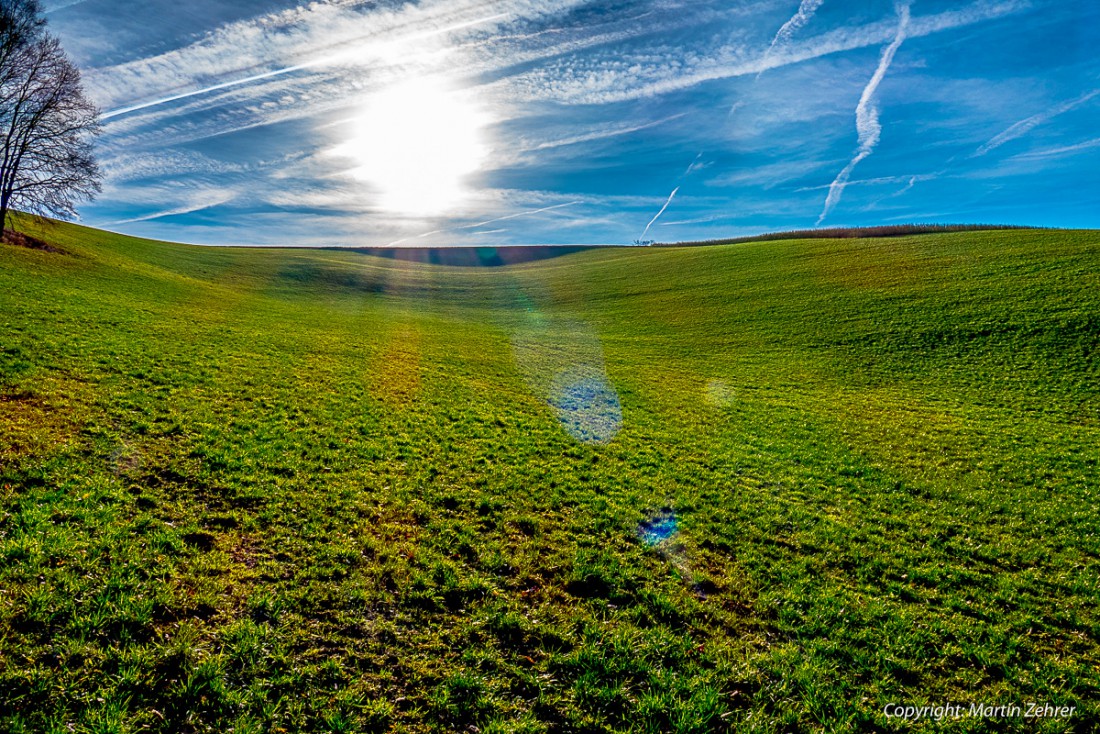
x=19, y=239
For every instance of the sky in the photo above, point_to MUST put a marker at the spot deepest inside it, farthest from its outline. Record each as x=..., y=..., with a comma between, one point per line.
x=506, y=122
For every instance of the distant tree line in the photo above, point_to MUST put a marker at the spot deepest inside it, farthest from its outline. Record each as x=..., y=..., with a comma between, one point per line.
x=47, y=124
x=893, y=230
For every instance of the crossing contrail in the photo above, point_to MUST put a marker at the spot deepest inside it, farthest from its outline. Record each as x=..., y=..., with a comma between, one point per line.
x=334, y=58
x=805, y=12
x=1025, y=126
x=867, y=125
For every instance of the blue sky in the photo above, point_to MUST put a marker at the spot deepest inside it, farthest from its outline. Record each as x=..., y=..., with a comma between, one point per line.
x=451, y=122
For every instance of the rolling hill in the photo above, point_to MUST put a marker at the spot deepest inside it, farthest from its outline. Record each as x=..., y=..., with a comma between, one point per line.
x=772, y=486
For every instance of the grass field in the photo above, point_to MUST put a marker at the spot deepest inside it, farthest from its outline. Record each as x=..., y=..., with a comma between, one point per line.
x=765, y=487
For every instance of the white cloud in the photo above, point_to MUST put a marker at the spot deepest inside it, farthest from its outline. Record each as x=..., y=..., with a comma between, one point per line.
x=611, y=77
x=551, y=80
x=319, y=34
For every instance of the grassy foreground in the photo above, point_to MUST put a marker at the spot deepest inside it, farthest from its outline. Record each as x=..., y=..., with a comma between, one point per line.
x=765, y=487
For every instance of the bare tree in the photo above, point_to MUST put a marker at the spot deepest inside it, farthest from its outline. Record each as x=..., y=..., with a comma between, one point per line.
x=47, y=163
x=21, y=22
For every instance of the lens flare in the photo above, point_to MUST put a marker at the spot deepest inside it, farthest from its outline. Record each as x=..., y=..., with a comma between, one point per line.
x=587, y=405
x=562, y=361
x=658, y=528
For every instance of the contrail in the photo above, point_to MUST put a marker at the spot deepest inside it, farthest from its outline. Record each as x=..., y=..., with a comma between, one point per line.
x=1013, y=132
x=691, y=166
x=520, y=214
x=281, y=72
x=63, y=5
x=683, y=177
x=652, y=221
x=806, y=11
x=603, y=134
x=207, y=90
x=1023, y=127
x=867, y=125
x=187, y=209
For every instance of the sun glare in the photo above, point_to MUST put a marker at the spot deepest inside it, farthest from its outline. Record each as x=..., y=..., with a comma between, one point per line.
x=416, y=144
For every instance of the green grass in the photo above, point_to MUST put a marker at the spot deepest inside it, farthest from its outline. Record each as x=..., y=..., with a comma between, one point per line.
x=282, y=491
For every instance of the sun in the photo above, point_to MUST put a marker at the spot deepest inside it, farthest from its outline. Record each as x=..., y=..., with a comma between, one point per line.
x=416, y=144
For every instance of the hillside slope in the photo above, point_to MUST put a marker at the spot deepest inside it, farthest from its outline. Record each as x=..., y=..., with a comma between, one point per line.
x=763, y=487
